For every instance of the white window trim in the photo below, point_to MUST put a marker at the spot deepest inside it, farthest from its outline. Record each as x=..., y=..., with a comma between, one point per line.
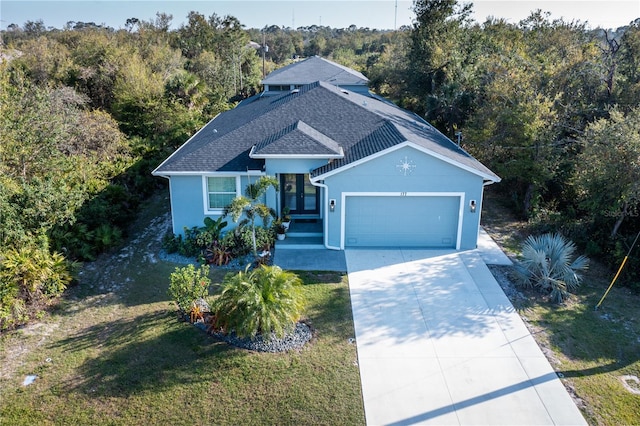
x=343, y=216
x=205, y=192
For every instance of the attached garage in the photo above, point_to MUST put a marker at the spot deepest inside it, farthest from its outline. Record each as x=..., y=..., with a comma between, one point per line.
x=429, y=220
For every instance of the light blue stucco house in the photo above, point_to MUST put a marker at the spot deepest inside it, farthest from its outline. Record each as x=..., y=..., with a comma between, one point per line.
x=369, y=173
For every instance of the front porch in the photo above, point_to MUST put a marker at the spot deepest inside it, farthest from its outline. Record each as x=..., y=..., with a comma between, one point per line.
x=303, y=234
x=303, y=249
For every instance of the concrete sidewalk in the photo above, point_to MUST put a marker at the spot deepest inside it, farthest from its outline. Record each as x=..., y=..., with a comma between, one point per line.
x=439, y=343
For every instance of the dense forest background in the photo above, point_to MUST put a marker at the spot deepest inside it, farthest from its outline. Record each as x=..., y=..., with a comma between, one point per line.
x=86, y=112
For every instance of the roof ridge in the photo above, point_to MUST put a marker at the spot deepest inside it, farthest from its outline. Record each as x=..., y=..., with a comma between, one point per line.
x=313, y=133
x=344, y=68
x=300, y=70
x=274, y=103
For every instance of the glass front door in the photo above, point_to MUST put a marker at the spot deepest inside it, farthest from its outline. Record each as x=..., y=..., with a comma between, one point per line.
x=299, y=195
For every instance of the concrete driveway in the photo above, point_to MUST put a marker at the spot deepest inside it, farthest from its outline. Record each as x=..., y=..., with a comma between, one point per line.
x=439, y=343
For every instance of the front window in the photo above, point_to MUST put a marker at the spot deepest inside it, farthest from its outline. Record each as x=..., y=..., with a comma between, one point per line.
x=220, y=191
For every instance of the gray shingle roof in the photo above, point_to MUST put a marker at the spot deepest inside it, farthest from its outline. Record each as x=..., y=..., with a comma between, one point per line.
x=317, y=117
x=315, y=69
x=298, y=139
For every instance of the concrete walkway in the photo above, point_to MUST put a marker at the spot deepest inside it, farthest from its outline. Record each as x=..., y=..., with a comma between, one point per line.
x=310, y=260
x=439, y=343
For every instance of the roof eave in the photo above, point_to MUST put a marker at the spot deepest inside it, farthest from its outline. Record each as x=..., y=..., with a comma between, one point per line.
x=170, y=173
x=296, y=156
x=252, y=154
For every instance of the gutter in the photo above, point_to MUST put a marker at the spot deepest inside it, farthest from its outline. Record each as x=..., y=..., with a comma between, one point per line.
x=326, y=216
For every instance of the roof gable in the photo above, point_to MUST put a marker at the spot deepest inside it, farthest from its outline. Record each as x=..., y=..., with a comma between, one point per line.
x=297, y=140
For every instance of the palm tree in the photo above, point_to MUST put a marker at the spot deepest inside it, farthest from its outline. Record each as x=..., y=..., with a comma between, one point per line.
x=260, y=301
x=251, y=206
x=548, y=262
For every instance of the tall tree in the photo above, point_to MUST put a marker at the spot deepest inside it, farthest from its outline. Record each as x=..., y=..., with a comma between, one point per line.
x=437, y=62
x=608, y=170
x=628, y=89
x=540, y=85
x=196, y=36
x=97, y=60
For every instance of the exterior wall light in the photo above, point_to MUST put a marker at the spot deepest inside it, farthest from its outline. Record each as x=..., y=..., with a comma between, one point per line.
x=332, y=205
x=472, y=206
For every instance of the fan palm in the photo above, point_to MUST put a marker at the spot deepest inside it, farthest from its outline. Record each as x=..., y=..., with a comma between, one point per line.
x=35, y=271
x=260, y=301
x=549, y=262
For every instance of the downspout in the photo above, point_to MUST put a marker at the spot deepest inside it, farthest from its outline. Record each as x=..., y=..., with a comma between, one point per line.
x=326, y=215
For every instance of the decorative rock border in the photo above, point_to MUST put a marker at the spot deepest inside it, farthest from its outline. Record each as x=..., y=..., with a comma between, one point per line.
x=291, y=341
x=296, y=339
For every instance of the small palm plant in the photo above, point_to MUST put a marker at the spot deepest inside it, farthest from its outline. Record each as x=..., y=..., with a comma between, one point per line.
x=549, y=263
x=260, y=301
x=251, y=207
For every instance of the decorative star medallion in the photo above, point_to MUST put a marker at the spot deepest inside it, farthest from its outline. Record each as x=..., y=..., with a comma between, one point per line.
x=406, y=166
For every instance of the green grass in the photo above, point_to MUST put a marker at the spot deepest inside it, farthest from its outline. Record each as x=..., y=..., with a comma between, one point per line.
x=590, y=348
x=114, y=352
x=593, y=348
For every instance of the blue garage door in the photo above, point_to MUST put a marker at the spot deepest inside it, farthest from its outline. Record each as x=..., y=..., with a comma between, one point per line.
x=410, y=221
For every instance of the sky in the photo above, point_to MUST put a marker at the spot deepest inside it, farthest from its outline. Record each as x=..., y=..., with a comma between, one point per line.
x=380, y=14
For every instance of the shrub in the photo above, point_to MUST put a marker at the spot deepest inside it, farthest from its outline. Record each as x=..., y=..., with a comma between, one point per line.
x=207, y=244
x=76, y=241
x=211, y=233
x=548, y=263
x=171, y=243
x=187, y=246
x=30, y=276
x=260, y=301
x=232, y=240
x=264, y=238
x=197, y=240
x=239, y=241
x=107, y=236
x=12, y=308
x=189, y=284
x=631, y=275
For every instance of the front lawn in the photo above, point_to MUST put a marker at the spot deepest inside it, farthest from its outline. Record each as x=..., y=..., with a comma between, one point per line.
x=114, y=352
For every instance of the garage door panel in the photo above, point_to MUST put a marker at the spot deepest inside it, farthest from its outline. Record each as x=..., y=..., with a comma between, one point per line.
x=411, y=221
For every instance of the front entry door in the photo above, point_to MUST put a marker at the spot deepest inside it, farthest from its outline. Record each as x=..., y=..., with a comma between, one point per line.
x=299, y=195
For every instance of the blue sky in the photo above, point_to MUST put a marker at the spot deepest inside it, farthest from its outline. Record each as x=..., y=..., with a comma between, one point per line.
x=379, y=14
